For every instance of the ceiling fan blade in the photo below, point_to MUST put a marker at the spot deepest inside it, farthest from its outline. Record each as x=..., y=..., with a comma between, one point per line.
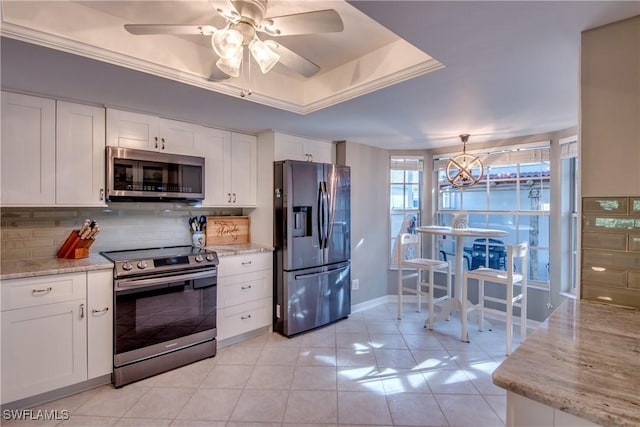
x=321, y=21
x=226, y=9
x=148, y=29
x=292, y=60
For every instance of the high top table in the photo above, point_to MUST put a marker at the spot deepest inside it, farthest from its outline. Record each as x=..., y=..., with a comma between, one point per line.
x=451, y=305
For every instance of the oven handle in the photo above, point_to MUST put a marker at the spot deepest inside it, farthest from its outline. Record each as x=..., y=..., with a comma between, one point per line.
x=125, y=284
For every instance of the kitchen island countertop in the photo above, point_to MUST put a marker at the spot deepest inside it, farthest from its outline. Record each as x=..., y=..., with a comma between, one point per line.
x=95, y=261
x=583, y=360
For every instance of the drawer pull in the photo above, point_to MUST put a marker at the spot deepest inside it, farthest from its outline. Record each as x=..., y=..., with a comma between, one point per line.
x=104, y=310
x=244, y=288
x=248, y=316
x=246, y=263
x=41, y=291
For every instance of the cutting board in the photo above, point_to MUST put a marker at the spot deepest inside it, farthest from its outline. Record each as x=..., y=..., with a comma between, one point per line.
x=226, y=230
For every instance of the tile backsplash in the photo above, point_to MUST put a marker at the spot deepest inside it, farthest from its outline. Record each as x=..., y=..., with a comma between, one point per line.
x=611, y=250
x=33, y=233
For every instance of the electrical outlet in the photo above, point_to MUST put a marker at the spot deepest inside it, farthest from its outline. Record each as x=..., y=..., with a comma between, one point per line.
x=355, y=284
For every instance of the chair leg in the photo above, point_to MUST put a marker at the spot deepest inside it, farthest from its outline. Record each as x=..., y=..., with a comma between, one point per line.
x=399, y=292
x=419, y=289
x=523, y=312
x=481, y=304
x=509, y=315
x=431, y=299
x=463, y=310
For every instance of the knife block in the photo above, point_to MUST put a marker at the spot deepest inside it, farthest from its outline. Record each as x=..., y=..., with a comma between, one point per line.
x=75, y=247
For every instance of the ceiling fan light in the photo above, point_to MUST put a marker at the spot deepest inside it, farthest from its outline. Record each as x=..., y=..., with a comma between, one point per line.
x=226, y=43
x=265, y=57
x=231, y=66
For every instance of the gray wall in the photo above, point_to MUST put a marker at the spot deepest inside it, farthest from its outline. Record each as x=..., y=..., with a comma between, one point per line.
x=369, y=217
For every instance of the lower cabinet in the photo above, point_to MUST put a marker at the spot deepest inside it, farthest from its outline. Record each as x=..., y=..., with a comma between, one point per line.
x=244, y=293
x=50, y=336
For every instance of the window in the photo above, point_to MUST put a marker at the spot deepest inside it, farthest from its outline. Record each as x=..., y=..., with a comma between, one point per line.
x=514, y=196
x=405, y=207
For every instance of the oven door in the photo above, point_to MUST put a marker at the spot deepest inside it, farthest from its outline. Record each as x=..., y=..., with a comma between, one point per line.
x=158, y=315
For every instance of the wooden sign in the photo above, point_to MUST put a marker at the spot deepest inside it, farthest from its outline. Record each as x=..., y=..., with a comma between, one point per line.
x=227, y=230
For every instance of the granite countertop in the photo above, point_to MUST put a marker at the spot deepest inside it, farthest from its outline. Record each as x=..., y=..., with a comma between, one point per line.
x=583, y=360
x=44, y=267
x=239, y=249
x=48, y=266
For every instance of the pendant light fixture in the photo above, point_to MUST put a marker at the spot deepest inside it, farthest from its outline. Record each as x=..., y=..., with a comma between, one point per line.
x=464, y=170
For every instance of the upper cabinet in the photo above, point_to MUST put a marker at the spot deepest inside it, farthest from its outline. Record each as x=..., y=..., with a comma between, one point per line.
x=144, y=132
x=80, y=151
x=610, y=110
x=28, y=150
x=230, y=167
x=52, y=152
x=298, y=148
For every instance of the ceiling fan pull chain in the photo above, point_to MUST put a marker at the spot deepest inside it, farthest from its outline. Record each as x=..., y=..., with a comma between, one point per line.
x=246, y=74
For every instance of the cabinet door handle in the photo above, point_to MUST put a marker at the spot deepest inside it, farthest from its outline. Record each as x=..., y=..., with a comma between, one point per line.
x=82, y=311
x=244, y=288
x=41, y=291
x=156, y=139
x=234, y=197
x=229, y=197
x=162, y=143
x=102, y=194
x=246, y=263
x=248, y=316
x=104, y=310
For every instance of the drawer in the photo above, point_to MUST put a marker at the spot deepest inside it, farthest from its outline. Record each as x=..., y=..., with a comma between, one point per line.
x=242, y=288
x=243, y=318
x=238, y=264
x=35, y=291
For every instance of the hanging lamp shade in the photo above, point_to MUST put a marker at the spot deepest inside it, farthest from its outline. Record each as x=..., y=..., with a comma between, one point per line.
x=265, y=57
x=464, y=170
x=226, y=43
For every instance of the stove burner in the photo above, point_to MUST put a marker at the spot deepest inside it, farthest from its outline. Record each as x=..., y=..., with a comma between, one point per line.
x=154, y=260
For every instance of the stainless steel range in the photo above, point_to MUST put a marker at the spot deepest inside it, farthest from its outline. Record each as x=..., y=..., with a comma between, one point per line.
x=165, y=309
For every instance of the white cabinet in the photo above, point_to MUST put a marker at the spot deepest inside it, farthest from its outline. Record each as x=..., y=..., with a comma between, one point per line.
x=27, y=149
x=244, y=293
x=144, y=132
x=230, y=167
x=56, y=331
x=44, y=334
x=99, y=323
x=290, y=147
x=243, y=175
x=80, y=151
x=522, y=411
x=52, y=152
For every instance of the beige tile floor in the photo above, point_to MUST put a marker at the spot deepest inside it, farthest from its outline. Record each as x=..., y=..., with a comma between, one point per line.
x=370, y=369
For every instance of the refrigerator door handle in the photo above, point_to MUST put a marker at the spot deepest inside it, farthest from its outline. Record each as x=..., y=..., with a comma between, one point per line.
x=322, y=273
x=320, y=216
x=325, y=207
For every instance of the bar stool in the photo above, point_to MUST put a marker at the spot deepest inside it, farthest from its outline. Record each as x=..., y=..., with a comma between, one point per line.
x=511, y=279
x=409, y=251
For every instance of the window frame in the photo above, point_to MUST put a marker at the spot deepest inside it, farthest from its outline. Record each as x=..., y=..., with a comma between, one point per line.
x=412, y=163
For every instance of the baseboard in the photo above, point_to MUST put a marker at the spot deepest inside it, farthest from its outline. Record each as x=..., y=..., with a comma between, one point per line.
x=60, y=393
x=371, y=303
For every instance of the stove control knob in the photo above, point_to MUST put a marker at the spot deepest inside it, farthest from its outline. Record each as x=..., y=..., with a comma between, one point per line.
x=127, y=266
x=142, y=265
x=199, y=258
x=209, y=257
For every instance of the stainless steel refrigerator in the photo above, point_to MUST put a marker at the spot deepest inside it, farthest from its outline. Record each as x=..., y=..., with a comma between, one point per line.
x=312, y=275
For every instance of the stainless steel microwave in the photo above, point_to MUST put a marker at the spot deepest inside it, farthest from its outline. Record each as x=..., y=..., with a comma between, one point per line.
x=140, y=175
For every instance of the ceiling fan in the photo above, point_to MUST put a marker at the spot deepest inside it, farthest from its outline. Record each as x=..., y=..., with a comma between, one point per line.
x=244, y=20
